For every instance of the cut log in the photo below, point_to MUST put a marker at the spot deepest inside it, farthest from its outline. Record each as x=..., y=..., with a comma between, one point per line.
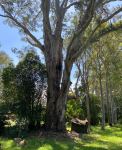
x=79, y=126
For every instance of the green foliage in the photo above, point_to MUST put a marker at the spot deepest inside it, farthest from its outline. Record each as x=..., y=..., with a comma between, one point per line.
x=3, y=118
x=77, y=109
x=9, y=90
x=31, y=81
x=4, y=58
x=95, y=109
x=74, y=109
x=118, y=101
x=25, y=87
x=4, y=61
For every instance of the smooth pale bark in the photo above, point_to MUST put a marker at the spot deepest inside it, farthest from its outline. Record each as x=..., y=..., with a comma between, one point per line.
x=102, y=98
x=110, y=103
x=115, y=114
x=84, y=81
x=88, y=109
x=86, y=71
x=102, y=105
x=107, y=98
x=111, y=106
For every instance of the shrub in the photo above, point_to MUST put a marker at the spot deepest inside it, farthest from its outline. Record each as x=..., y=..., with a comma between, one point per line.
x=74, y=110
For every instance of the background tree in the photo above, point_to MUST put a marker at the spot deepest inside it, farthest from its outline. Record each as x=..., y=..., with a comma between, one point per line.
x=102, y=63
x=109, y=58
x=83, y=74
x=4, y=61
x=9, y=89
x=25, y=87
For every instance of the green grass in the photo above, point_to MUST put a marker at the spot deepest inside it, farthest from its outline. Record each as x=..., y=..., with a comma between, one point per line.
x=110, y=139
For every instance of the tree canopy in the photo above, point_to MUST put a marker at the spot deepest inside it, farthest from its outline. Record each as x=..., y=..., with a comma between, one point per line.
x=24, y=89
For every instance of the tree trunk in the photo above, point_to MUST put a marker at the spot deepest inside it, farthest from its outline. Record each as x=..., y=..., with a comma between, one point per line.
x=102, y=105
x=88, y=110
x=58, y=86
x=107, y=99
x=52, y=96
x=56, y=104
x=115, y=114
x=111, y=107
x=87, y=102
x=61, y=103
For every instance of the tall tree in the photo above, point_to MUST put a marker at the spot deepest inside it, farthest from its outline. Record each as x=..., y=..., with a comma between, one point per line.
x=31, y=83
x=24, y=89
x=4, y=61
x=82, y=75
x=105, y=61
x=49, y=16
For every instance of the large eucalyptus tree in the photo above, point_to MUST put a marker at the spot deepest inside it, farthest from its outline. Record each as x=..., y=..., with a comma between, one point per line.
x=49, y=17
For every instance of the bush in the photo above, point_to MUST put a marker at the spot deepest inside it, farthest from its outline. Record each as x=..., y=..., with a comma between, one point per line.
x=2, y=122
x=24, y=88
x=13, y=132
x=77, y=108
x=95, y=110
x=74, y=110
x=2, y=117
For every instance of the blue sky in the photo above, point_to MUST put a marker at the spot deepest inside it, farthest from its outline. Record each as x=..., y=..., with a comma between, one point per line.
x=10, y=38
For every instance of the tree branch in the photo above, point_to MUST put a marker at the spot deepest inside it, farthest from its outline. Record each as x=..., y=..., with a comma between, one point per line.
x=4, y=16
x=111, y=16
x=45, y=5
x=83, y=23
x=108, y=1
x=75, y=54
x=31, y=43
x=57, y=4
x=105, y=31
x=25, y=30
x=64, y=3
x=72, y=4
x=95, y=38
x=101, y=22
x=60, y=13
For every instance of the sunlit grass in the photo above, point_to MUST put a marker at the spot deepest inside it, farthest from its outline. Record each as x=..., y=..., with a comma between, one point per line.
x=109, y=139
x=7, y=144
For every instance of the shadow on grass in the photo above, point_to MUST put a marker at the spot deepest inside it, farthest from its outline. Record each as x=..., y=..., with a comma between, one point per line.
x=110, y=144
x=65, y=144
x=49, y=144
x=97, y=140
x=109, y=131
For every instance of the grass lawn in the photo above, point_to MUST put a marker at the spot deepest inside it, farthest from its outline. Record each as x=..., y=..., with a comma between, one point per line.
x=110, y=139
